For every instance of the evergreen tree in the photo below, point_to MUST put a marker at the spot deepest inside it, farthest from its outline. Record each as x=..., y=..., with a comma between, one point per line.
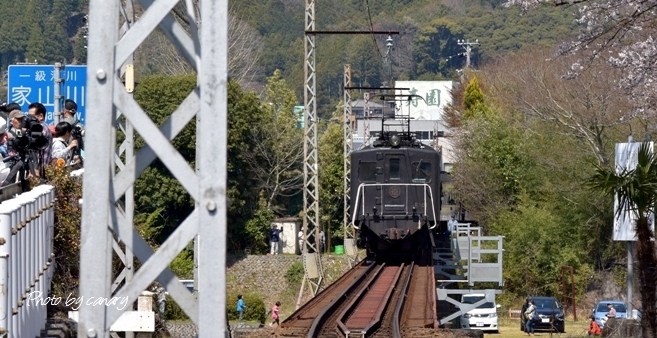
x=435, y=48
x=35, y=45
x=473, y=101
x=58, y=47
x=81, y=48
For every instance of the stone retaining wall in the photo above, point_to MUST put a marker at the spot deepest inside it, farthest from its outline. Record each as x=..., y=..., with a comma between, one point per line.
x=266, y=274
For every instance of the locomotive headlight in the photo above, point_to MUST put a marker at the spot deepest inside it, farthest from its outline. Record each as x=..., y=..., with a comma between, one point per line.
x=394, y=140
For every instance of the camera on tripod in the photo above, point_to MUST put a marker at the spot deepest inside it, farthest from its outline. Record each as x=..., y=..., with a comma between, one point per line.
x=29, y=136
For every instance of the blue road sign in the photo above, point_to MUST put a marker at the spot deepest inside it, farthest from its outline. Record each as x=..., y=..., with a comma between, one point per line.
x=35, y=83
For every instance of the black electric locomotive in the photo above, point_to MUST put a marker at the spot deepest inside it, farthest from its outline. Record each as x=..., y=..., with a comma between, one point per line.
x=395, y=196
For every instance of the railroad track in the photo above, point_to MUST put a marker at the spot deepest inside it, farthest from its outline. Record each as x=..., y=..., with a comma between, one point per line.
x=391, y=315
x=310, y=318
x=419, y=307
x=365, y=313
x=368, y=301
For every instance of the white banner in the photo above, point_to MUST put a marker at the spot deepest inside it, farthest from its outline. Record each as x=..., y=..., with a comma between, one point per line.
x=625, y=223
x=435, y=97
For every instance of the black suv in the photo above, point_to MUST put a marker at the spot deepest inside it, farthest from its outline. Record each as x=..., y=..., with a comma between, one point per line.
x=550, y=314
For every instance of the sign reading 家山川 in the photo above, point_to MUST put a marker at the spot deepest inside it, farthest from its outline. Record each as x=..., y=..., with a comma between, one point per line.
x=36, y=83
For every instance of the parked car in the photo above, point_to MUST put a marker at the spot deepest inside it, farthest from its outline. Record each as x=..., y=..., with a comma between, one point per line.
x=484, y=317
x=550, y=314
x=189, y=284
x=601, y=309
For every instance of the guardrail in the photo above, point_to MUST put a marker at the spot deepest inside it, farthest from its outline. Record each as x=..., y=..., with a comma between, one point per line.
x=26, y=247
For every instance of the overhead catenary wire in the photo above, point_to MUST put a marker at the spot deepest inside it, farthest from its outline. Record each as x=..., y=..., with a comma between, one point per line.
x=369, y=16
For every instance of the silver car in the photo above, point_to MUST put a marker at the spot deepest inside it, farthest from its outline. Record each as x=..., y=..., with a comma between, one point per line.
x=601, y=309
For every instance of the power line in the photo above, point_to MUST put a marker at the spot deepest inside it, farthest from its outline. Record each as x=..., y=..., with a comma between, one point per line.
x=369, y=16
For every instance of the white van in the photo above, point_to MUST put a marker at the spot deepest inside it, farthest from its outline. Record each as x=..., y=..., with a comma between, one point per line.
x=484, y=317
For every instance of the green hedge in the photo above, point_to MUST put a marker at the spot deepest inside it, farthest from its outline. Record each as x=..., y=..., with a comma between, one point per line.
x=255, y=309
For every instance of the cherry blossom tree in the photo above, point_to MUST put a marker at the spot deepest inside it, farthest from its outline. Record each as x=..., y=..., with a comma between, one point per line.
x=620, y=32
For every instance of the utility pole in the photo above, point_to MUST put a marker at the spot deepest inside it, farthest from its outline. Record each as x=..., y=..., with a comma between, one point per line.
x=468, y=49
x=57, y=91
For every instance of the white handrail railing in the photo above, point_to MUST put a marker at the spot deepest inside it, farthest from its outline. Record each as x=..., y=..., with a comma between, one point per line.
x=362, y=186
x=26, y=247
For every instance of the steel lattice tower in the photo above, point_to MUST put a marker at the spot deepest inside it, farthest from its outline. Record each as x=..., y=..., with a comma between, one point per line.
x=106, y=182
x=312, y=264
x=349, y=231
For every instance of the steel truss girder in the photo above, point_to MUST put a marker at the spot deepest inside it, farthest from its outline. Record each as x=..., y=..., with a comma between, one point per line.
x=104, y=187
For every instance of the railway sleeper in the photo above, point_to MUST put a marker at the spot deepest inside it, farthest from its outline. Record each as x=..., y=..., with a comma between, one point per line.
x=377, y=293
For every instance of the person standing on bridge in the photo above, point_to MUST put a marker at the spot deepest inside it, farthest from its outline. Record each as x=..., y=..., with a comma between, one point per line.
x=274, y=238
x=274, y=314
x=451, y=226
x=38, y=110
x=3, y=138
x=300, y=235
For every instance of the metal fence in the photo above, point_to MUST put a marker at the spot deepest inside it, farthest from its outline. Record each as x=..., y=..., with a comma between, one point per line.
x=26, y=246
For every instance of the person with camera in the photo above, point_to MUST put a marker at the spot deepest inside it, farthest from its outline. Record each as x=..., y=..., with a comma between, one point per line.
x=6, y=108
x=38, y=110
x=63, y=145
x=3, y=138
x=16, y=121
x=70, y=112
x=13, y=137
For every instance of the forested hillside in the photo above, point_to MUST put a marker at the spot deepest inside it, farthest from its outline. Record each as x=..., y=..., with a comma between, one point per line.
x=526, y=147
x=48, y=31
x=41, y=31
x=429, y=31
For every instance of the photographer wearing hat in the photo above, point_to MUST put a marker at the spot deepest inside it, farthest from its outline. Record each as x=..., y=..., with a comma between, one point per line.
x=25, y=144
x=70, y=113
x=6, y=108
x=15, y=120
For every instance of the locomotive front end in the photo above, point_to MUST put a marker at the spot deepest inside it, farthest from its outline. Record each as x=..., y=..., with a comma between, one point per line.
x=395, y=196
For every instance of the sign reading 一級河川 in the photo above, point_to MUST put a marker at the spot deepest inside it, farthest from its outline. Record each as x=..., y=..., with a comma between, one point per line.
x=36, y=83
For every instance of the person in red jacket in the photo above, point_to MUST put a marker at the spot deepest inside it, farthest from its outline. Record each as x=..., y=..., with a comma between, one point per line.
x=594, y=328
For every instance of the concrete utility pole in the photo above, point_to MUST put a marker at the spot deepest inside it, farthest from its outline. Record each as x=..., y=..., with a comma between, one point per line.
x=104, y=187
x=468, y=49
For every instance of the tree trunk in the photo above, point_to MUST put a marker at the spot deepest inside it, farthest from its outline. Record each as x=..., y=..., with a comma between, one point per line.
x=647, y=276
